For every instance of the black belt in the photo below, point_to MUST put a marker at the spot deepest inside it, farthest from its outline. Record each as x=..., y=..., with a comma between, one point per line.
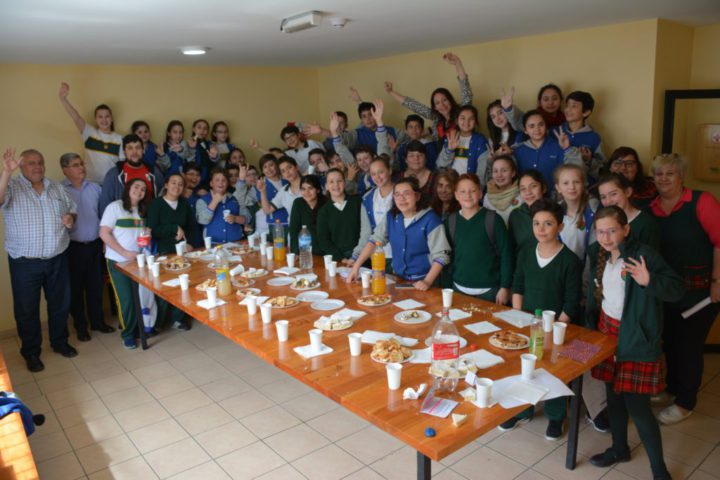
x=86, y=243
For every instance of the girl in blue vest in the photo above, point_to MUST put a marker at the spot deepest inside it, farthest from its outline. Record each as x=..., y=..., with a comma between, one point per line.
x=151, y=152
x=220, y=211
x=465, y=150
x=542, y=152
x=273, y=184
x=220, y=136
x=416, y=236
x=206, y=154
x=175, y=150
x=579, y=210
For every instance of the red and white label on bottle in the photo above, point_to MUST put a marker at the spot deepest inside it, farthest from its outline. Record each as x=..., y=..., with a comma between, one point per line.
x=446, y=351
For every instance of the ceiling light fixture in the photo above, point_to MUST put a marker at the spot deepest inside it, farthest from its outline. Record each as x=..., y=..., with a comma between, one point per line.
x=300, y=22
x=194, y=50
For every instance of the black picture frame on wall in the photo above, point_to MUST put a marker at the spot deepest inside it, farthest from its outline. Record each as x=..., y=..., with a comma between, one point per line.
x=671, y=96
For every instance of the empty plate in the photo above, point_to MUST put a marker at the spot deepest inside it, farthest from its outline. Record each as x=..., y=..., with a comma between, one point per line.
x=331, y=304
x=412, y=317
x=280, y=281
x=313, y=296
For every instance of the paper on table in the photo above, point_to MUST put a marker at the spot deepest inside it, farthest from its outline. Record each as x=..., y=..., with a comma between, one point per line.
x=258, y=300
x=204, y=303
x=696, y=308
x=175, y=282
x=456, y=314
x=371, y=336
x=482, y=358
x=516, y=318
x=437, y=407
x=481, y=328
x=543, y=379
x=409, y=304
x=307, y=352
x=286, y=270
x=423, y=355
x=346, y=312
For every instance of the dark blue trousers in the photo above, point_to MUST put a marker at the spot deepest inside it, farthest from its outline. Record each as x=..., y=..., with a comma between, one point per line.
x=86, y=263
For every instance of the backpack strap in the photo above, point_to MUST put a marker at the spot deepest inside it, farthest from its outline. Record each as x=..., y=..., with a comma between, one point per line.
x=452, y=224
x=490, y=229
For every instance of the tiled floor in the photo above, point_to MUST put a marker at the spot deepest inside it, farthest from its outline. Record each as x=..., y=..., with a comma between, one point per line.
x=196, y=406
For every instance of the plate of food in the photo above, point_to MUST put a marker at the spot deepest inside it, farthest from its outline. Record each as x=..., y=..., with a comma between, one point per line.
x=374, y=300
x=241, y=282
x=509, y=340
x=209, y=283
x=280, y=281
x=303, y=283
x=283, y=301
x=254, y=273
x=428, y=342
x=176, y=264
x=244, y=292
x=240, y=250
x=412, y=317
x=333, y=323
x=473, y=308
x=390, y=351
x=326, y=305
x=313, y=296
x=202, y=255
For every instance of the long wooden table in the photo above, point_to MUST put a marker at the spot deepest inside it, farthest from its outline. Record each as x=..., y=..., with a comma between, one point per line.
x=358, y=383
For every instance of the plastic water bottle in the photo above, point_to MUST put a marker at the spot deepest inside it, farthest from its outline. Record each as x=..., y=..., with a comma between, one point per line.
x=445, y=353
x=305, y=249
x=279, y=242
x=537, y=335
x=379, y=284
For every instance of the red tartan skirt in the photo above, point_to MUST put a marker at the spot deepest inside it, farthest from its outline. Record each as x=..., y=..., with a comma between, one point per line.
x=627, y=377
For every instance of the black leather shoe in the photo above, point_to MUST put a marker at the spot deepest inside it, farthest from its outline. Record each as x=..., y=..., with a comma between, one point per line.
x=609, y=457
x=34, y=364
x=66, y=351
x=83, y=336
x=104, y=328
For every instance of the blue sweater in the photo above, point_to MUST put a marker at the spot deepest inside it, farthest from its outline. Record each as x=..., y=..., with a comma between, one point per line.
x=279, y=214
x=544, y=159
x=410, y=246
x=365, y=136
x=431, y=154
x=218, y=228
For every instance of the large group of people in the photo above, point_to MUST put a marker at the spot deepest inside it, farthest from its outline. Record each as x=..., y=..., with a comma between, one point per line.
x=533, y=215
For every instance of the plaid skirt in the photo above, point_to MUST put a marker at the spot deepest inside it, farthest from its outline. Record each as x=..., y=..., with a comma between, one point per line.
x=628, y=377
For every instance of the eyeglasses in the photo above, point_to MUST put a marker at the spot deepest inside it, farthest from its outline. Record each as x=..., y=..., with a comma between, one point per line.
x=289, y=136
x=76, y=165
x=403, y=194
x=624, y=163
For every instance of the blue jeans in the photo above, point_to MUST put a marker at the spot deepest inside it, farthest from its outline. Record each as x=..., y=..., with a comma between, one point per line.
x=28, y=277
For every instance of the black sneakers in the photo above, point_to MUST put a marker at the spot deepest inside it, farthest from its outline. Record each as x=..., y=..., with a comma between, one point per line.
x=600, y=423
x=34, y=364
x=513, y=423
x=554, y=429
x=609, y=457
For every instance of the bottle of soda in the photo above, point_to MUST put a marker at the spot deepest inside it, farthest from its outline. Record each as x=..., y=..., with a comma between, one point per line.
x=222, y=273
x=378, y=285
x=305, y=248
x=445, y=353
x=279, y=242
x=537, y=335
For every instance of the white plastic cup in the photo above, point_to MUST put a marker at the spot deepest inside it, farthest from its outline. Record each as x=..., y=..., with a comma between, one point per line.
x=355, y=340
x=150, y=259
x=548, y=317
x=315, y=340
x=251, y=302
x=266, y=312
x=394, y=375
x=327, y=259
x=211, y=296
x=559, y=329
x=140, y=257
x=184, y=281
x=269, y=252
x=155, y=269
x=179, y=249
x=527, y=366
x=226, y=214
x=208, y=242
x=332, y=269
x=366, y=279
x=262, y=249
x=290, y=257
x=483, y=388
x=447, y=296
x=282, y=330
x=251, y=240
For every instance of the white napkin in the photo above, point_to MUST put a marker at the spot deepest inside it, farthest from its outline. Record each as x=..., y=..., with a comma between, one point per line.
x=516, y=318
x=456, y=314
x=422, y=355
x=286, y=270
x=259, y=300
x=204, y=303
x=237, y=270
x=371, y=336
x=543, y=381
x=413, y=394
x=307, y=351
x=526, y=392
x=481, y=328
x=482, y=358
x=175, y=282
x=160, y=259
x=346, y=312
x=409, y=304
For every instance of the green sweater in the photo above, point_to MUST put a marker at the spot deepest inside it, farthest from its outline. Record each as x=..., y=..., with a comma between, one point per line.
x=301, y=215
x=338, y=230
x=520, y=228
x=476, y=262
x=164, y=222
x=645, y=229
x=555, y=287
x=641, y=325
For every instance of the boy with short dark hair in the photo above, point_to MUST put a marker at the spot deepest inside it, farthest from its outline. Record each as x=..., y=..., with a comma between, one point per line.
x=579, y=106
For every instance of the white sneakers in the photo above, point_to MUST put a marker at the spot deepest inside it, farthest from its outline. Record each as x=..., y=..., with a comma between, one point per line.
x=662, y=399
x=673, y=414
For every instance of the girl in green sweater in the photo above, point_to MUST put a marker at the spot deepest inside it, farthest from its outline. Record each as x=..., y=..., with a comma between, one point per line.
x=305, y=212
x=338, y=222
x=532, y=188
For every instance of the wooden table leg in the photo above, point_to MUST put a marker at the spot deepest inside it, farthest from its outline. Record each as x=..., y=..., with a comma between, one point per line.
x=140, y=321
x=423, y=467
x=574, y=426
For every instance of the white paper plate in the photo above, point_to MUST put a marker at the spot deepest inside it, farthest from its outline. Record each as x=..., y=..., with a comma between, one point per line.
x=463, y=342
x=423, y=316
x=385, y=363
x=313, y=296
x=280, y=281
x=325, y=305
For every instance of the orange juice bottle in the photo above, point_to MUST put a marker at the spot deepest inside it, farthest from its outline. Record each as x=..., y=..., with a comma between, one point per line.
x=279, y=242
x=378, y=285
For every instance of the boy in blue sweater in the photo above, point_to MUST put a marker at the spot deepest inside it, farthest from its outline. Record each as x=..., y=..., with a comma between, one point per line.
x=578, y=108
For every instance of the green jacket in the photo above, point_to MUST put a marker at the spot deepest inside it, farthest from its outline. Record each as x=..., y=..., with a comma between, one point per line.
x=641, y=325
x=164, y=221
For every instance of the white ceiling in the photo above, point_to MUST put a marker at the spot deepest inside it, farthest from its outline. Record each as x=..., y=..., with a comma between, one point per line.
x=247, y=32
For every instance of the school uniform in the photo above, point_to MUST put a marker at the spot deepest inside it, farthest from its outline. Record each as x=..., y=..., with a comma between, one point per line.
x=271, y=189
x=470, y=157
x=338, y=227
x=585, y=136
x=545, y=159
x=520, y=228
x=215, y=225
x=301, y=215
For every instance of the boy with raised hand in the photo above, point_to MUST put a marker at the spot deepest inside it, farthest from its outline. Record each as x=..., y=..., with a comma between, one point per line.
x=579, y=106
